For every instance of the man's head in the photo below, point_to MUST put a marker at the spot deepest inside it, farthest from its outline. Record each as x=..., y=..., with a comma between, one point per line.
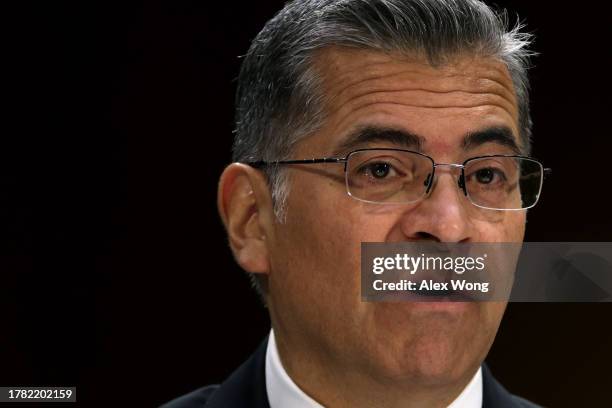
x=326, y=77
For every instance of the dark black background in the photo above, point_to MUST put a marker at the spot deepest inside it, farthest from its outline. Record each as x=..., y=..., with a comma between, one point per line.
x=116, y=276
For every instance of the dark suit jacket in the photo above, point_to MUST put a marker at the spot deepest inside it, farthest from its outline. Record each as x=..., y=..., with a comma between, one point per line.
x=246, y=388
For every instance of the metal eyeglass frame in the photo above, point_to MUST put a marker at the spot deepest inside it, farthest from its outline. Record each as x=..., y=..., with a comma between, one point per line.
x=460, y=182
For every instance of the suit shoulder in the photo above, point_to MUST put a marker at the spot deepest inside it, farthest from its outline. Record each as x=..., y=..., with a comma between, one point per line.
x=523, y=403
x=195, y=399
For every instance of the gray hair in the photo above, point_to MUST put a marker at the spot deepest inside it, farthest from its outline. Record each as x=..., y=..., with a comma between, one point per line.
x=279, y=100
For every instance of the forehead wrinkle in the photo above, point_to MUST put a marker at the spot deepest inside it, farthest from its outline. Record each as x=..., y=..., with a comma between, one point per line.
x=332, y=65
x=485, y=97
x=336, y=58
x=349, y=93
x=350, y=108
x=441, y=83
x=432, y=106
x=341, y=97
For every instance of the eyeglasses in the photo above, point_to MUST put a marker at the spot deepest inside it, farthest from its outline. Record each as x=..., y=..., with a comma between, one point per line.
x=397, y=176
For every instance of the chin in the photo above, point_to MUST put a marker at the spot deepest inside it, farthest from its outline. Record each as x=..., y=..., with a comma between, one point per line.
x=434, y=352
x=438, y=361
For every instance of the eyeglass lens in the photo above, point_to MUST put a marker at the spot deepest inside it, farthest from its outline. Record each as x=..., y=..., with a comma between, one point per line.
x=395, y=176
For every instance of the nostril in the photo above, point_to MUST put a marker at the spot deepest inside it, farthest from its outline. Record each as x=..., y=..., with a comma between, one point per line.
x=426, y=236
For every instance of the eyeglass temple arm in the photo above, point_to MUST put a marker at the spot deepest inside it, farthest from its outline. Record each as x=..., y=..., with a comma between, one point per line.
x=547, y=171
x=261, y=163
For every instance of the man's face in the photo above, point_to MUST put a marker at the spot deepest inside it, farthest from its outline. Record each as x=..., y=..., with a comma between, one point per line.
x=314, y=281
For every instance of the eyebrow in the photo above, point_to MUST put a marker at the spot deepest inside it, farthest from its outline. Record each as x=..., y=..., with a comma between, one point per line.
x=370, y=134
x=501, y=135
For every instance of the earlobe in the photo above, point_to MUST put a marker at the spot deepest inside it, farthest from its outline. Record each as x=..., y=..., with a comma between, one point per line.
x=245, y=207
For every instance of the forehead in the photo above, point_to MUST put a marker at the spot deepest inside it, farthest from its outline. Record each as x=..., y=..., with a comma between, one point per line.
x=364, y=88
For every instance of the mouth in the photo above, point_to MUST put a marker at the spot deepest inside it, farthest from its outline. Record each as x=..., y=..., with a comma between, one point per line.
x=440, y=296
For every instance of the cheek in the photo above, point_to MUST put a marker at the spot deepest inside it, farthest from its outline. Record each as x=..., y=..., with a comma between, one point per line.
x=489, y=324
x=509, y=227
x=319, y=231
x=323, y=231
x=325, y=212
x=315, y=259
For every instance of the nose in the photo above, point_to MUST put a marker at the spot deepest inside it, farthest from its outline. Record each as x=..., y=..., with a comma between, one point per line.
x=441, y=216
x=450, y=166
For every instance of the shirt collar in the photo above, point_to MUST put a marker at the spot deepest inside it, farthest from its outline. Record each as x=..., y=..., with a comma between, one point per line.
x=471, y=396
x=283, y=392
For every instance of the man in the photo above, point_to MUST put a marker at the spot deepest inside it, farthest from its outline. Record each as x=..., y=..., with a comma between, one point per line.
x=335, y=80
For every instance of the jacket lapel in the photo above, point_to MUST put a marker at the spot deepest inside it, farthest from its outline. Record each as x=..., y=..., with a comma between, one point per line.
x=246, y=387
x=494, y=395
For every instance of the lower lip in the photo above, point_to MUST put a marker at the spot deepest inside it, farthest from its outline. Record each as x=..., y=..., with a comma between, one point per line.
x=442, y=304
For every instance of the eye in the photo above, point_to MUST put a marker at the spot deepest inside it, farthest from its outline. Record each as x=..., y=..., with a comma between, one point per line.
x=378, y=170
x=488, y=175
x=484, y=176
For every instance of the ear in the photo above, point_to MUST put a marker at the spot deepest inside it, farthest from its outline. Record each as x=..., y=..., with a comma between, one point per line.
x=245, y=206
